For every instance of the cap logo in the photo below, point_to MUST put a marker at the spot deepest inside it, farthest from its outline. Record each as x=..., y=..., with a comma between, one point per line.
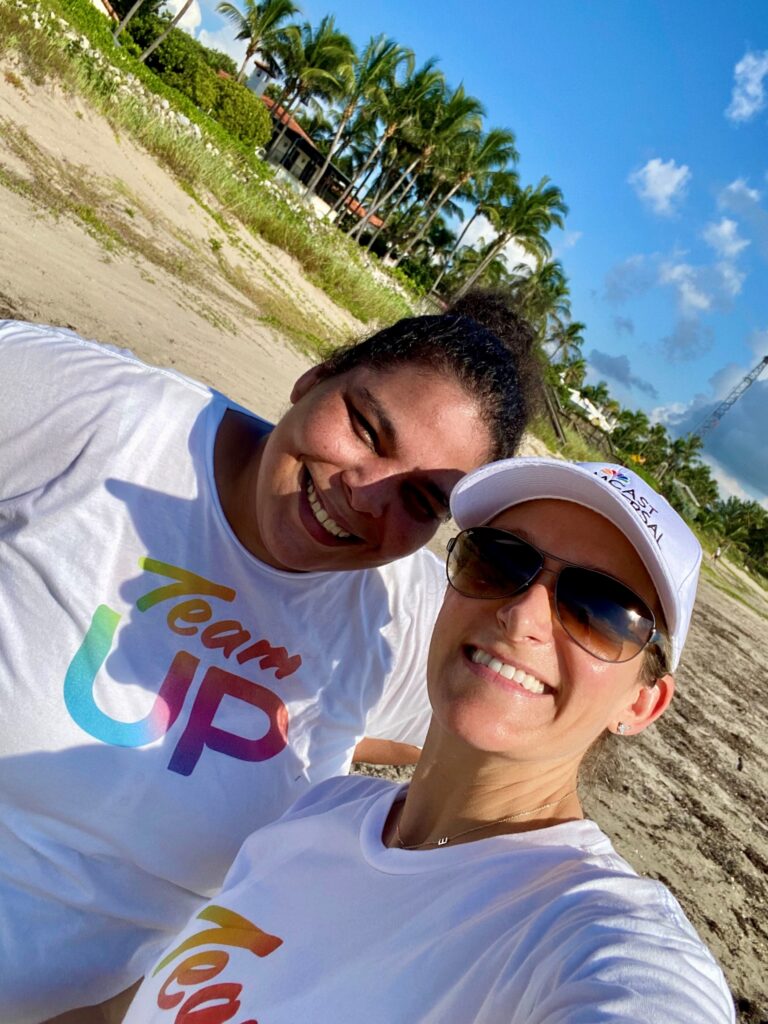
x=610, y=473
x=638, y=502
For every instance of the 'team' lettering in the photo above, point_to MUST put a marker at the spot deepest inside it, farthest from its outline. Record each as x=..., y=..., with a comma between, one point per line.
x=223, y=998
x=227, y=635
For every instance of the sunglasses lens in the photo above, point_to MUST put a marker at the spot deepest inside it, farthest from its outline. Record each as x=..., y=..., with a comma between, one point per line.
x=602, y=615
x=491, y=563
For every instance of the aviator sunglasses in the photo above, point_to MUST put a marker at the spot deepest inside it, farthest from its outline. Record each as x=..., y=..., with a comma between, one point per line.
x=598, y=613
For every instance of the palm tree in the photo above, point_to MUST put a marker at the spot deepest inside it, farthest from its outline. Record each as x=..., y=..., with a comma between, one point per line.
x=543, y=296
x=473, y=157
x=574, y=372
x=525, y=218
x=568, y=340
x=261, y=24
x=374, y=67
x=488, y=190
x=441, y=117
x=394, y=108
x=131, y=11
x=315, y=63
x=161, y=38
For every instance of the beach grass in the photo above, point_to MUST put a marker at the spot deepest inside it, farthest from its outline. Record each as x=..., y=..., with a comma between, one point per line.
x=205, y=160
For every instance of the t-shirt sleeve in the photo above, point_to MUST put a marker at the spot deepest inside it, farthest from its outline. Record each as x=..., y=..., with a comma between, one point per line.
x=416, y=587
x=50, y=380
x=632, y=968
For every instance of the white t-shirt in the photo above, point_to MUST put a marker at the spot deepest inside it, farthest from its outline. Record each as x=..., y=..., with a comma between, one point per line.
x=318, y=921
x=162, y=692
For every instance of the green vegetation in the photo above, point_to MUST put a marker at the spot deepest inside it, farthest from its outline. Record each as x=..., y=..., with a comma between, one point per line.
x=415, y=151
x=575, y=447
x=242, y=114
x=210, y=162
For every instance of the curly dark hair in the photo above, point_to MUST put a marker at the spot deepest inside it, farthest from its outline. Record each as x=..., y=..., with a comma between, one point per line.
x=480, y=341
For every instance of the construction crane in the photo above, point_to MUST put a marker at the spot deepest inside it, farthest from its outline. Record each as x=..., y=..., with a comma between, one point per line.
x=717, y=414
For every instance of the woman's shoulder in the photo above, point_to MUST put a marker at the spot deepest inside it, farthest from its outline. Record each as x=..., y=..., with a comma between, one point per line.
x=340, y=791
x=610, y=936
x=58, y=355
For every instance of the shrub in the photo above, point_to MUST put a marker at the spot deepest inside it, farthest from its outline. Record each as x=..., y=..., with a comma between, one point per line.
x=197, y=81
x=218, y=61
x=242, y=113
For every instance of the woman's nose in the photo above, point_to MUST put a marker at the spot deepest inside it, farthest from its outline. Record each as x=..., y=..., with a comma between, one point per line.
x=368, y=489
x=528, y=616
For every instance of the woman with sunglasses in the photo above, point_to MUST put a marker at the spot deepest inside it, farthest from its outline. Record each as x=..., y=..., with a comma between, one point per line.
x=480, y=892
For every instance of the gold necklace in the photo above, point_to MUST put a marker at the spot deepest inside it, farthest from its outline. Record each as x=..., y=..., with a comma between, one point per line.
x=444, y=840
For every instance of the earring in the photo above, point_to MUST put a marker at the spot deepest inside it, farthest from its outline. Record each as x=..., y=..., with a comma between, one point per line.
x=622, y=729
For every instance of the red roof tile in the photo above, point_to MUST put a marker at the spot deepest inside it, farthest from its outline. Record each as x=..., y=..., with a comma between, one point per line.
x=280, y=114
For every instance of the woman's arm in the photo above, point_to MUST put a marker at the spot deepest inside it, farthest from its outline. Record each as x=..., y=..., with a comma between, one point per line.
x=373, y=751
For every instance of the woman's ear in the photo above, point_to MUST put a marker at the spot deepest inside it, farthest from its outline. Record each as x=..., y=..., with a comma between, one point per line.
x=650, y=703
x=306, y=382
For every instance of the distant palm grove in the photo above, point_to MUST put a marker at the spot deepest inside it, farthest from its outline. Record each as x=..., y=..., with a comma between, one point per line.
x=419, y=167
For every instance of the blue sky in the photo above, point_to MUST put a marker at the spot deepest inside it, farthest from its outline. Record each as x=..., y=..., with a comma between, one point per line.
x=652, y=117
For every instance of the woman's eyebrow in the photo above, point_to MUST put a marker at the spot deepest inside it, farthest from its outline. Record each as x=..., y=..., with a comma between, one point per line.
x=387, y=428
x=383, y=421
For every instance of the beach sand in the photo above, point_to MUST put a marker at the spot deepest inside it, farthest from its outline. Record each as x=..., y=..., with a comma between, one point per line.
x=688, y=800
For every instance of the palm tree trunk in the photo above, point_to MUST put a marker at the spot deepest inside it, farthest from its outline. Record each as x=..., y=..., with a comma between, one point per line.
x=491, y=255
x=380, y=185
x=408, y=210
x=376, y=205
x=128, y=17
x=241, y=73
x=408, y=247
x=318, y=177
x=452, y=253
x=394, y=205
x=365, y=171
x=374, y=236
x=430, y=220
x=153, y=46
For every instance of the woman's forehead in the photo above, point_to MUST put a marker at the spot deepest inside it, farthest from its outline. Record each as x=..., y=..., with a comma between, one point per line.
x=580, y=535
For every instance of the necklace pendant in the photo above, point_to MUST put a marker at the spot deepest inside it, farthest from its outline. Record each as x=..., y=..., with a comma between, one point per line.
x=443, y=841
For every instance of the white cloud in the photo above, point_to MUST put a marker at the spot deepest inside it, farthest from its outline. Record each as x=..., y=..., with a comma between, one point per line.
x=224, y=39
x=727, y=483
x=667, y=413
x=724, y=238
x=515, y=254
x=748, y=97
x=731, y=278
x=744, y=201
x=192, y=17
x=660, y=184
x=481, y=232
x=682, y=276
x=738, y=189
x=569, y=239
x=736, y=446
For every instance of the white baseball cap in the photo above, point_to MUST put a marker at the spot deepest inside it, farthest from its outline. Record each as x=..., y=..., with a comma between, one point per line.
x=667, y=547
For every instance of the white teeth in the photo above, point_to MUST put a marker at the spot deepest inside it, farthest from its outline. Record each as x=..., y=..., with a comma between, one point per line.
x=321, y=515
x=523, y=679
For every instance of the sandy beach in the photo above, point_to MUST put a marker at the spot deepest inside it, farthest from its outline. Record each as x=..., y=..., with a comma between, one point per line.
x=687, y=802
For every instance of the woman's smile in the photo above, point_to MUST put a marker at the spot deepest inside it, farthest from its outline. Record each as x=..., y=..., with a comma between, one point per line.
x=326, y=528
x=507, y=672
